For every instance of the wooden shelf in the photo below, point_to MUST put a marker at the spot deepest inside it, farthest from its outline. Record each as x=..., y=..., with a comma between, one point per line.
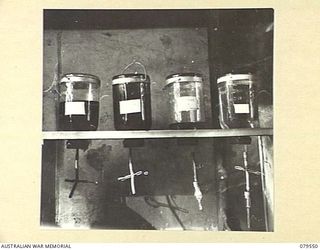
x=150, y=134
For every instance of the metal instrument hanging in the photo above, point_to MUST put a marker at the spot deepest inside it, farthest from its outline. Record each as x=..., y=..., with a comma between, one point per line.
x=131, y=176
x=197, y=191
x=77, y=179
x=247, y=190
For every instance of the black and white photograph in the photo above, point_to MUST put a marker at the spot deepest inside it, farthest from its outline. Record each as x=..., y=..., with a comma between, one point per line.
x=158, y=119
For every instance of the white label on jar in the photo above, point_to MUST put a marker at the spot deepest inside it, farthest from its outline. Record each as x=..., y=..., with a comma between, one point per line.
x=74, y=108
x=241, y=108
x=130, y=106
x=187, y=103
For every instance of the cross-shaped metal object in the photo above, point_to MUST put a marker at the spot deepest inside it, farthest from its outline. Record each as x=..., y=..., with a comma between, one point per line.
x=77, y=180
x=247, y=171
x=132, y=174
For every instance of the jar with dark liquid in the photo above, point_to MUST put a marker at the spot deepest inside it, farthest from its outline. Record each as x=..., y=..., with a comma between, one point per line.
x=131, y=101
x=237, y=101
x=79, y=102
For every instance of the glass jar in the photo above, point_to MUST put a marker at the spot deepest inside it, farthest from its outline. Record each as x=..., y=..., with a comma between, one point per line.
x=79, y=102
x=186, y=105
x=237, y=101
x=131, y=101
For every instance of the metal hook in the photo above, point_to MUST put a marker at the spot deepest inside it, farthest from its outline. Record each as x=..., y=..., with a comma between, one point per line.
x=138, y=63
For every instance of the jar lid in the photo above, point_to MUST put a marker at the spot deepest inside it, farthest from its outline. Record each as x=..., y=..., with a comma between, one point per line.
x=80, y=77
x=129, y=78
x=183, y=77
x=235, y=77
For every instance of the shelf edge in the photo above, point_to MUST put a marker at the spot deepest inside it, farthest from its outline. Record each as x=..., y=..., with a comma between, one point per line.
x=153, y=134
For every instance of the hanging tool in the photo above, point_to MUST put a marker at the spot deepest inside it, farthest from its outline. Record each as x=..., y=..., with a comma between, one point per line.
x=247, y=171
x=247, y=183
x=77, y=180
x=197, y=191
x=247, y=189
x=133, y=189
x=132, y=174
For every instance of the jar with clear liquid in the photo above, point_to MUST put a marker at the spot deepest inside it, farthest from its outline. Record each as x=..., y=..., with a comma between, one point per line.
x=79, y=102
x=186, y=105
x=237, y=101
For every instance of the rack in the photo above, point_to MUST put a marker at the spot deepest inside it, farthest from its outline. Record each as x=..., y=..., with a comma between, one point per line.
x=150, y=134
x=226, y=52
